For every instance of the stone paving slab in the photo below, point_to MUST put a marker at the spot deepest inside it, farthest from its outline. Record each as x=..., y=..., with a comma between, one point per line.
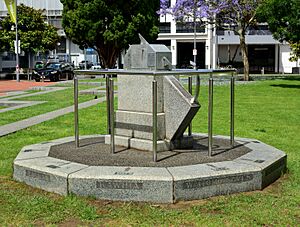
x=13, y=105
x=48, y=90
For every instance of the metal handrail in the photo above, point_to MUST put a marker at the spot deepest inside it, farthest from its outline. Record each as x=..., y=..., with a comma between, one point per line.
x=186, y=72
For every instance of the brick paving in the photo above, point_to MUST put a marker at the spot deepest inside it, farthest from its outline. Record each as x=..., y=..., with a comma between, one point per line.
x=12, y=85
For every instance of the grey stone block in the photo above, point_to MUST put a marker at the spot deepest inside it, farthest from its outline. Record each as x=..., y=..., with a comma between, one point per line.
x=140, y=144
x=178, y=108
x=123, y=183
x=270, y=160
x=206, y=180
x=135, y=93
x=138, y=124
x=119, y=141
x=47, y=173
x=30, y=152
x=147, y=145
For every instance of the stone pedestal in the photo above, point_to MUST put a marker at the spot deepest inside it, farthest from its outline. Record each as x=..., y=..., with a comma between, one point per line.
x=134, y=124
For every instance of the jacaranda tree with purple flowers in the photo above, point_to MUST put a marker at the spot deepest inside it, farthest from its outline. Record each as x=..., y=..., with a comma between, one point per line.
x=196, y=11
x=235, y=15
x=239, y=15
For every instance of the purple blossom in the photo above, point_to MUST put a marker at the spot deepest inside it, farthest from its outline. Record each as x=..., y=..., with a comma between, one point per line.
x=199, y=9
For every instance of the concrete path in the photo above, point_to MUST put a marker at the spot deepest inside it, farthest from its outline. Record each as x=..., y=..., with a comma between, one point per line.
x=16, y=126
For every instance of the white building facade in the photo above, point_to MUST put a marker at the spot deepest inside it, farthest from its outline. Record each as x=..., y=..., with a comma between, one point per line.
x=65, y=50
x=217, y=48
x=214, y=48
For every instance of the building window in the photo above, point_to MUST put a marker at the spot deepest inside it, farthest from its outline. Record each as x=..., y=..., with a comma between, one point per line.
x=188, y=27
x=165, y=27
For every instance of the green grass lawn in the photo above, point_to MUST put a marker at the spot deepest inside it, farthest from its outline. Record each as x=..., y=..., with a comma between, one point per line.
x=265, y=110
x=54, y=101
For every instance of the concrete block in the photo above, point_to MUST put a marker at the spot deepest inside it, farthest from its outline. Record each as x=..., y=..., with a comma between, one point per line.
x=47, y=173
x=123, y=183
x=212, y=179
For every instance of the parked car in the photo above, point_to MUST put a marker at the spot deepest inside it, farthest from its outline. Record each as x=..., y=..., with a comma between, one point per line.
x=89, y=64
x=54, y=71
x=96, y=67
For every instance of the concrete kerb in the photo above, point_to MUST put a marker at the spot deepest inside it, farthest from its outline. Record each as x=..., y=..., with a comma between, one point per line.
x=252, y=171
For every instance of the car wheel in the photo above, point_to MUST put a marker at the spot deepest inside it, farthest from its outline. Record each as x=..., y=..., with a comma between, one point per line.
x=37, y=80
x=71, y=76
x=58, y=77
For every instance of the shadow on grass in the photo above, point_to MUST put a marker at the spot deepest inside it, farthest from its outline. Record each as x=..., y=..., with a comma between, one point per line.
x=286, y=86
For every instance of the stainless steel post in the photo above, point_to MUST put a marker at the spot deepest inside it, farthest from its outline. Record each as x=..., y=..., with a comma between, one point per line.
x=154, y=119
x=210, y=114
x=190, y=88
x=112, y=113
x=232, y=110
x=76, y=120
x=17, y=47
x=107, y=103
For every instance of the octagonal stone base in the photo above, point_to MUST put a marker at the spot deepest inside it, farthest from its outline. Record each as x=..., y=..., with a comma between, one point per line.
x=252, y=171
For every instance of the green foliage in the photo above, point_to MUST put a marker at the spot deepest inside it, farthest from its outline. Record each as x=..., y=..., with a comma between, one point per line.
x=295, y=55
x=109, y=26
x=34, y=34
x=283, y=17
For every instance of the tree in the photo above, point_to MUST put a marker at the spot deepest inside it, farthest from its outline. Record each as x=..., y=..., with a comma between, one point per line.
x=236, y=15
x=109, y=26
x=34, y=34
x=283, y=18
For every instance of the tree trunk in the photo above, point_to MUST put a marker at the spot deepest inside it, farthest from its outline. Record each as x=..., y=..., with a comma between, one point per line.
x=244, y=55
x=108, y=56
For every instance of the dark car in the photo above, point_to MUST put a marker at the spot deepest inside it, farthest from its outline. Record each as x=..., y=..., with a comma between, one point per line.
x=88, y=64
x=54, y=71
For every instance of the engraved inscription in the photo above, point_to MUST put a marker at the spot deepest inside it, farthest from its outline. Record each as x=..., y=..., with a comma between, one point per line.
x=123, y=173
x=36, y=175
x=28, y=150
x=217, y=181
x=119, y=185
x=126, y=172
x=52, y=166
x=216, y=168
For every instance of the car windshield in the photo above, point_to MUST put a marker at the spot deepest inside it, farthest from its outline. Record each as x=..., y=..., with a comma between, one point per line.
x=39, y=65
x=52, y=66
